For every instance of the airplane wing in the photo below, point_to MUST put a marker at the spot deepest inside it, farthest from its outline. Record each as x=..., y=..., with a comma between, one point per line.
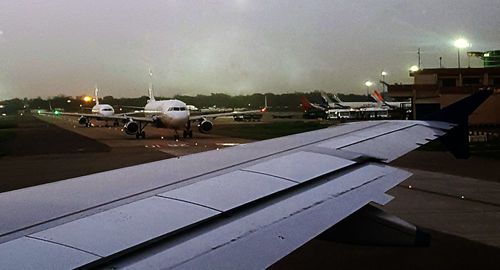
x=215, y=115
x=121, y=116
x=247, y=205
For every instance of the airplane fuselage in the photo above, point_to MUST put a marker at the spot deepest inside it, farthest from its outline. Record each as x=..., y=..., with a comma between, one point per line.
x=171, y=113
x=103, y=109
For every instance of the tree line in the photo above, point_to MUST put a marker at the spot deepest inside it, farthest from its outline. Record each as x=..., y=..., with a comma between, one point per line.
x=283, y=102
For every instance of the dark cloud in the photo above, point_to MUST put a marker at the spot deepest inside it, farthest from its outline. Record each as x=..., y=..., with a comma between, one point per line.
x=66, y=47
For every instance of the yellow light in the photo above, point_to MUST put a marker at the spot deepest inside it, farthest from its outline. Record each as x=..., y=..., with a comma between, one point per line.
x=368, y=83
x=87, y=98
x=486, y=55
x=414, y=68
x=461, y=43
x=69, y=100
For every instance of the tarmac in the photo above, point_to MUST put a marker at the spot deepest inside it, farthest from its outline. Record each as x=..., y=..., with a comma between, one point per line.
x=462, y=213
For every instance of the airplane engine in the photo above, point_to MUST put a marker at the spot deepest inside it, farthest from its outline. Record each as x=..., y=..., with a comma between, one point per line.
x=83, y=120
x=205, y=126
x=131, y=128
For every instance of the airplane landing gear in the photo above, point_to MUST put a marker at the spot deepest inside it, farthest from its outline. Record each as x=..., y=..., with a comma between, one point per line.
x=176, y=136
x=140, y=135
x=188, y=132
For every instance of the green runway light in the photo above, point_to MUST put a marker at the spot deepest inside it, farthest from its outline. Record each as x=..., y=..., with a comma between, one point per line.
x=39, y=111
x=57, y=112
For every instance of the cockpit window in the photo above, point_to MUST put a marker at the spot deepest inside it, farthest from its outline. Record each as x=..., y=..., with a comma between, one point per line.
x=177, y=108
x=107, y=109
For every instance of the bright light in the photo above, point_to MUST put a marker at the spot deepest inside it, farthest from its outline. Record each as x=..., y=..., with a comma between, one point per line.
x=486, y=55
x=2, y=106
x=414, y=68
x=87, y=98
x=368, y=83
x=461, y=43
x=69, y=100
x=384, y=73
x=57, y=112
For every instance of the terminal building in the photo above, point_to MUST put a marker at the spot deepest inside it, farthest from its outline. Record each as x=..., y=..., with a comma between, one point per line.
x=435, y=88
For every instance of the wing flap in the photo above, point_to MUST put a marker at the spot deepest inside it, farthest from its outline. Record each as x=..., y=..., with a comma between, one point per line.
x=29, y=253
x=268, y=231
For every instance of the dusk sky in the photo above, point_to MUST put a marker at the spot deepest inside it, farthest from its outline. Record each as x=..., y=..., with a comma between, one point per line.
x=235, y=47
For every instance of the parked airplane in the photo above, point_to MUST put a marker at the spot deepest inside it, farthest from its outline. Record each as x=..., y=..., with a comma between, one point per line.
x=349, y=105
x=390, y=104
x=183, y=213
x=343, y=110
x=311, y=110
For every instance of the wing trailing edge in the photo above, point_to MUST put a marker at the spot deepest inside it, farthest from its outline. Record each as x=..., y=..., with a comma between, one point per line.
x=457, y=140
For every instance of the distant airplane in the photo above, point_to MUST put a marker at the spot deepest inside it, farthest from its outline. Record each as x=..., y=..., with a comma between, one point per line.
x=246, y=206
x=102, y=109
x=172, y=113
x=312, y=110
x=99, y=112
x=391, y=104
x=344, y=110
x=349, y=105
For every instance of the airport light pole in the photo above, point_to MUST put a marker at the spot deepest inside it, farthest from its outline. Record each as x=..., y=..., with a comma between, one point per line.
x=384, y=73
x=460, y=43
x=368, y=84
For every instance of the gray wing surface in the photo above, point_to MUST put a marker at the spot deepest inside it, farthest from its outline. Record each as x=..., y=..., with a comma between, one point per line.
x=246, y=205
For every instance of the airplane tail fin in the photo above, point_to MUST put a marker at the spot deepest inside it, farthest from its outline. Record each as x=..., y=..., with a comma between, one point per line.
x=378, y=96
x=325, y=97
x=337, y=98
x=457, y=140
x=150, y=91
x=375, y=98
x=305, y=103
x=265, y=104
x=96, y=96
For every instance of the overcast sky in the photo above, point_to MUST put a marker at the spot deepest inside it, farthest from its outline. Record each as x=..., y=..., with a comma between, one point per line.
x=236, y=47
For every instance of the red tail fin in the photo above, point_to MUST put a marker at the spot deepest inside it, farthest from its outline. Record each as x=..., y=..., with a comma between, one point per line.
x=379, y=96
x=305, y=103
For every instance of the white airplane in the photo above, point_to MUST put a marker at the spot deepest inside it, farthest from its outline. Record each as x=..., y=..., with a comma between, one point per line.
x=391, y=104
x=99, y=112
x=349, y=105
x=246, y=206
x=173, y=114
x=101, y=109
